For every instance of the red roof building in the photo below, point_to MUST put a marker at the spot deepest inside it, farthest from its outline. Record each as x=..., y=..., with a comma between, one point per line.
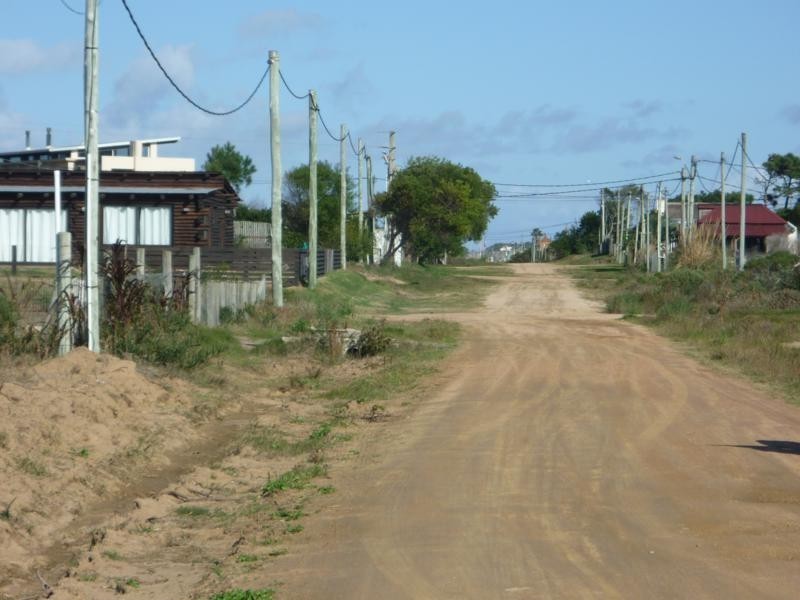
x=760, y=221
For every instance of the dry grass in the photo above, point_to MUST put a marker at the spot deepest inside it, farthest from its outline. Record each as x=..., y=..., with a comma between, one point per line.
x=702, y=248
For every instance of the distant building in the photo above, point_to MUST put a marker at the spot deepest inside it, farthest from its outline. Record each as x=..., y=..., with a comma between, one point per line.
x=134, y=155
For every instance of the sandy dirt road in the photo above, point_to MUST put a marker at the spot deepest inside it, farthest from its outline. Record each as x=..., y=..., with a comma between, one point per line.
x=565, y=454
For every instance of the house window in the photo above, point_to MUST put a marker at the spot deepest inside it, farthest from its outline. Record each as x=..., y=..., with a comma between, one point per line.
x=138, y=225
x=32, y=231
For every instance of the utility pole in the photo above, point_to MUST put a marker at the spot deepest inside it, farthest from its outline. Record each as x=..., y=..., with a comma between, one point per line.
x=275, y=154
x=667, y=240
x=647, y=233
x=370, y=191
x=743, y=203
x=618, y=248
x=92, y=197
x=602, y=219
x=360, y=196
x=692, y=175
x=723, y=221
x=343, y=194
x=658, y=227
x=312, y=189
x=392, y=158
x=683, y=205
x=628, y=221
x=533, y=246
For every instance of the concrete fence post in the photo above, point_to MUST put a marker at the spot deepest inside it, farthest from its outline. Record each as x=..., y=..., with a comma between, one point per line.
x=14, y=259
x=140, y=263
x=64, y=289
x=166, y=272
x=195, y=303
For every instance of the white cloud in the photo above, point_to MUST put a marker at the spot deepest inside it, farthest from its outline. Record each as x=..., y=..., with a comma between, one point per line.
x=141, y=88
x=276, y=22
x=19, y=56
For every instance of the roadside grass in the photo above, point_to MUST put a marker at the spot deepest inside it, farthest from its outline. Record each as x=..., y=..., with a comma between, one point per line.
x=240, y=594
x=748, y=321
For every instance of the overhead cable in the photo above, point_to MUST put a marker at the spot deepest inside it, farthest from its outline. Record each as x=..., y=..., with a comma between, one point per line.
x=177, y=87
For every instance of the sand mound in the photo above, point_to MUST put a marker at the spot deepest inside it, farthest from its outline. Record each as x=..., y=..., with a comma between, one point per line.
x=72, y=431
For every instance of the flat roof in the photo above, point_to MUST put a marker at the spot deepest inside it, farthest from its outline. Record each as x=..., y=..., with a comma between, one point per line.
x=106, y=146
x=110, y=189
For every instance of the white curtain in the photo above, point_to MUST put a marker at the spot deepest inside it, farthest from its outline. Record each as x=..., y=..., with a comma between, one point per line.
x=40, y=235
x=119, y=223
x=12, y=233
x=32, y=230
x=155, y=226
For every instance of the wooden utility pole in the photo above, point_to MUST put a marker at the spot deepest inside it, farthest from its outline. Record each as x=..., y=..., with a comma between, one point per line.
x=743, y=203
x=667, y=241
x=723, y=221
x=312, y=189
x=683, y=205
x=658, y=227
x=628, y=221
x=92, y=197
x=343, y=194
x=690, y=210
x=619, y=229
x=275, y=154
x=602, y=219
x=370, y=208
x=360, y=196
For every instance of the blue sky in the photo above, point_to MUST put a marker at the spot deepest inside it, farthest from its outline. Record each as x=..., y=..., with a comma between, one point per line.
x=524, y=92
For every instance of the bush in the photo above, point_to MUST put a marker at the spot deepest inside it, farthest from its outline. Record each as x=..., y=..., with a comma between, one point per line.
x=372, y=341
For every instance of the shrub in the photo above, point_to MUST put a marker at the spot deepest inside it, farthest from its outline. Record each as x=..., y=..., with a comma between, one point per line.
x=372, y=341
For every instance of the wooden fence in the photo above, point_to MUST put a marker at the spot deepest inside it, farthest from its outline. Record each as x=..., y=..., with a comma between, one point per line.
x=252, y=234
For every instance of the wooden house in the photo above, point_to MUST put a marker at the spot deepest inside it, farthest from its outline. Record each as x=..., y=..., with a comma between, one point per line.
x=157, y=209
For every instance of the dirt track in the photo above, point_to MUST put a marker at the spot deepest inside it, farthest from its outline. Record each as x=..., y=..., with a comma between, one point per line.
x=566, y=454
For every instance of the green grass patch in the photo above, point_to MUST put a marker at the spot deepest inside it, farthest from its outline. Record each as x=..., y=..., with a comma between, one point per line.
x=296, y=479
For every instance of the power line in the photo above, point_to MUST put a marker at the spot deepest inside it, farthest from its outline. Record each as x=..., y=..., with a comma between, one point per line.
x=70, y=9
x=177, y=87
x=568, y=192
x=575, y=185
x=286, y=85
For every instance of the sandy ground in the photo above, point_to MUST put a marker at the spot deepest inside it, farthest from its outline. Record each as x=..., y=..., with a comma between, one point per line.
x=560, y=453
x=564, y=454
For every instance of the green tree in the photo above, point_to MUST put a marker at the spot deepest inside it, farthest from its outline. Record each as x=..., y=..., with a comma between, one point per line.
x=580, y=238
x=783, y=176
x=245, y=212
x=296, y=210
x=236, y=167
x=435, y=206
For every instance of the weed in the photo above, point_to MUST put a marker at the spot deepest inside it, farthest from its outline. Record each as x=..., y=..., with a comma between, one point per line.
x=246, y=558
x=288, y=514
x=298, y=478
x=239, y=594
x=31, y=467
x=193, y=511
x=297, y=528
x=326, y=489
x=278, y=552
x=81, y=453
x=372, y=341
x=134, y=583
x=112, y=555
x=87, y=576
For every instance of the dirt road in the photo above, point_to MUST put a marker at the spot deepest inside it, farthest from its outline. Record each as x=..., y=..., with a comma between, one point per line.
x=566, y=454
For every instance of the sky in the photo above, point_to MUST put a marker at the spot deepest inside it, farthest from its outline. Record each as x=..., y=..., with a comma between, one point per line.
x=524, y=92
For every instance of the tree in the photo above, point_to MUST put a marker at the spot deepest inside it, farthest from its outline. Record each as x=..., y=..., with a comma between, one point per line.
x=580, y=238
x=434, y=206
x=226, y=160
x=783, y=175
x=296, y=209
x=245, y=212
